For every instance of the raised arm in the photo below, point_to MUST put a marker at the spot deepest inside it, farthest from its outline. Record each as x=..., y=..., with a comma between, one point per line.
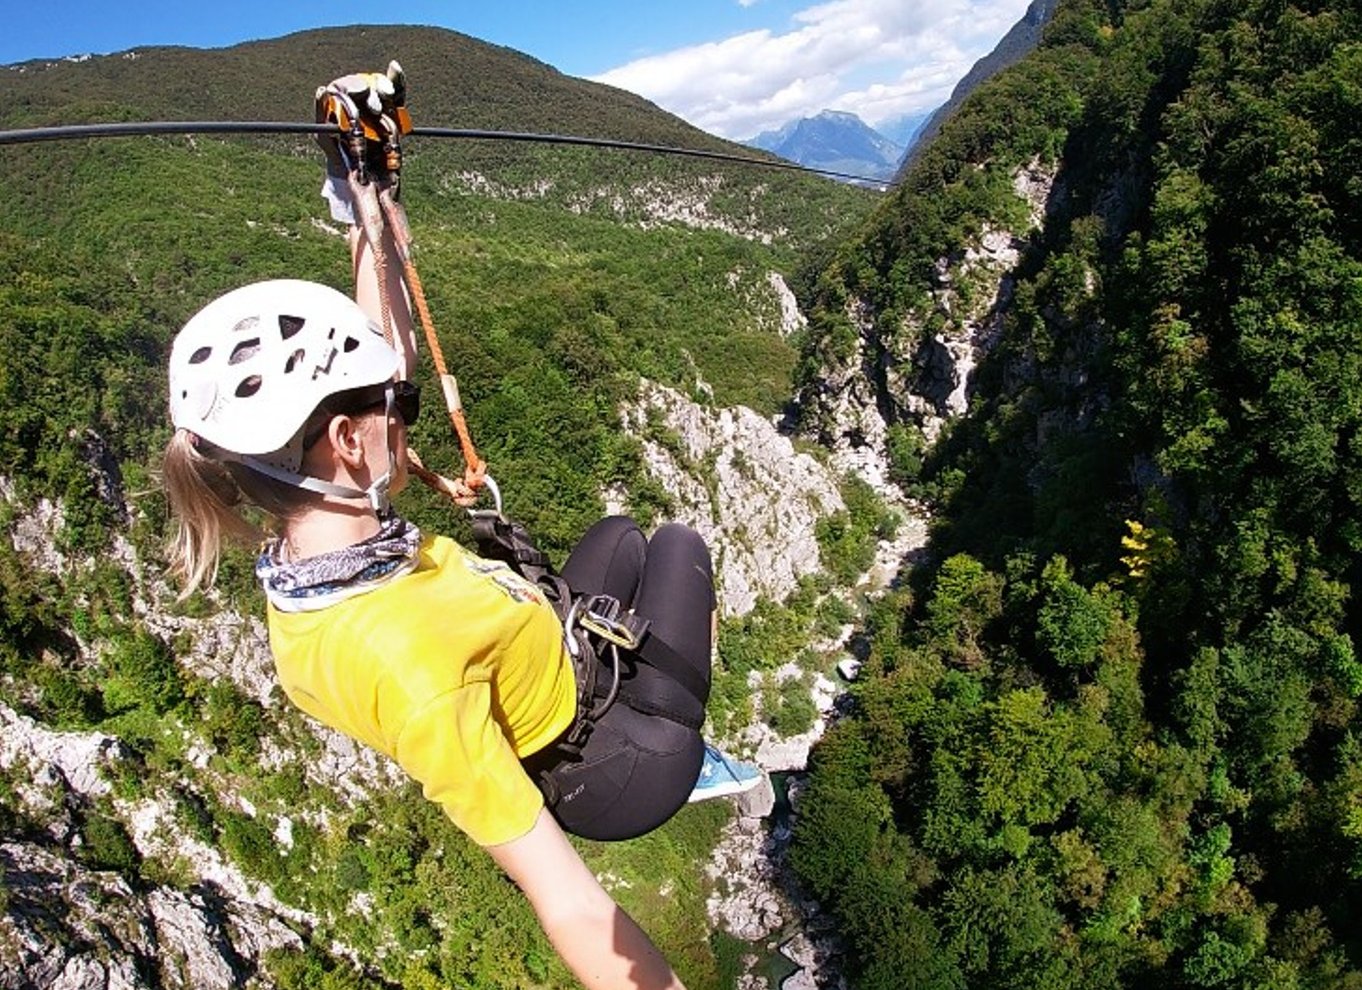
x=367, y=293
x=601, y=944
x=376, y=104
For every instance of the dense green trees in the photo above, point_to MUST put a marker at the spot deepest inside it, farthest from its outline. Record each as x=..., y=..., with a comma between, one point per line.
x=1113, y=735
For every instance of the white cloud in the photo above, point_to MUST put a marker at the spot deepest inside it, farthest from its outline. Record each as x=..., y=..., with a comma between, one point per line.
x=876, y=58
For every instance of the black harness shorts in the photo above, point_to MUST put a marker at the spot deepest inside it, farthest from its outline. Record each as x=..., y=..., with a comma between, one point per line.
x=639, y=763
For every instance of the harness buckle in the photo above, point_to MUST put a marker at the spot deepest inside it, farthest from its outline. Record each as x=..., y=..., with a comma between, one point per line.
x=606, y=617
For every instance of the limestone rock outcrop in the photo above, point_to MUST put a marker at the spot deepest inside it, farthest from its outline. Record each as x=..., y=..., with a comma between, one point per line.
x=742, y=484
x=905, y=374
x=68, y=927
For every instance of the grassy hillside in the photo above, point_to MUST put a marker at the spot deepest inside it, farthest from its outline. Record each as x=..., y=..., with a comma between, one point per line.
x=550, y=307
x=457, y=82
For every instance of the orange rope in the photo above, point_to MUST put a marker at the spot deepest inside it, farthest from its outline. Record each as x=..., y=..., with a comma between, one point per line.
x=475, y=466
x=374, y=210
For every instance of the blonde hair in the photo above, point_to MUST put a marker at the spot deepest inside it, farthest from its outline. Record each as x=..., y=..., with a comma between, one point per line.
x=206, y=498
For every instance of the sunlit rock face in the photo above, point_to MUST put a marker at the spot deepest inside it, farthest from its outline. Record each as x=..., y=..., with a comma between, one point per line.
x=68, y=923
x=906, y=373
x=70, y=927
x=738, y=480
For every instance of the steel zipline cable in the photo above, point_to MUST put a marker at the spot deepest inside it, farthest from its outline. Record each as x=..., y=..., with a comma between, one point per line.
x=68, y=132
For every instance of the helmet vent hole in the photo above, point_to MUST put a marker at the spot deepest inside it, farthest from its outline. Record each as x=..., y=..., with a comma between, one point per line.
x=248, y=323
x=201, y=355
x=248, y=387
x=350, y=344
x=244, y=351
x=290, y=325
x=294, y=359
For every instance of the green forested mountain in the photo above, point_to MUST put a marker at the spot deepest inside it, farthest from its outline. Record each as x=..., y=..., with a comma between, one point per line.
x=1108, y=736
x=557, y=278
x=1020, y=40
x=456, y=82
x=1111, y=738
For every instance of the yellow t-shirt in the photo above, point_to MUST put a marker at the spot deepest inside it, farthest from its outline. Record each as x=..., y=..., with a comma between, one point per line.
x=455, y=670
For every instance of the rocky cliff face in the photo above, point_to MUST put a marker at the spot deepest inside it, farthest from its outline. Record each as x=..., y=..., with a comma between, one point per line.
x=69, y=919
x=739, y=481
x=648, y=205
x=69, y=923
x=905, y=374
x=896, y=375
x=69, y=927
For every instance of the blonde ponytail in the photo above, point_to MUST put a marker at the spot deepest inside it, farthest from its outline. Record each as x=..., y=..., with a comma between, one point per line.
x=205, y=501
x=206, y=498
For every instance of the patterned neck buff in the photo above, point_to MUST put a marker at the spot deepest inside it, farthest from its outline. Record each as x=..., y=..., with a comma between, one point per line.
x=320, y=581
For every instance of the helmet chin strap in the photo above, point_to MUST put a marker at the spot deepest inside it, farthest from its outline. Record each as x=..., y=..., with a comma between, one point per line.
x=376, y=493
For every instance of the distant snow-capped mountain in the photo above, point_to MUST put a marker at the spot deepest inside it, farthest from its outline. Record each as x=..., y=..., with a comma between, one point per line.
x=836, y=141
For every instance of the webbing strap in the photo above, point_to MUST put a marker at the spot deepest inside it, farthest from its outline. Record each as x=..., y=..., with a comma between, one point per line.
x=595, y=624
x=657, y=653
x=503, y=539
x=371, y=222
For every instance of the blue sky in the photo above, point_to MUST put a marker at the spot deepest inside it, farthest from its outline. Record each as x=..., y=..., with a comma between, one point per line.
x=732, y=67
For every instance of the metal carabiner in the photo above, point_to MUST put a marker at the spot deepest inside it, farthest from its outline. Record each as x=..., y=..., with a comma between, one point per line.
x=495, y=489
x=598, y=710
x=574, y=648
x=493, y=513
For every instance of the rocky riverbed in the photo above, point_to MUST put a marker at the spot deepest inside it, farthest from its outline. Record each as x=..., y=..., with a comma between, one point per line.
x=755, y=896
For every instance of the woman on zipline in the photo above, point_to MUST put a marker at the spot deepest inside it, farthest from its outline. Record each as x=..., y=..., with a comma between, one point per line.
x=286, y=396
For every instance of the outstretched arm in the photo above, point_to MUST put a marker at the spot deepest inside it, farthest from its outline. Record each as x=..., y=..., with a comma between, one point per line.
x=600, y=943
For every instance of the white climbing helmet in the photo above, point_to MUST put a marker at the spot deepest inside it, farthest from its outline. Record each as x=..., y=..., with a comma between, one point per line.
x=249, y=368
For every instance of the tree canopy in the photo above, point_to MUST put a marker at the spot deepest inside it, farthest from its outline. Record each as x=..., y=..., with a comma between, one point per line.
x=1113, y=738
